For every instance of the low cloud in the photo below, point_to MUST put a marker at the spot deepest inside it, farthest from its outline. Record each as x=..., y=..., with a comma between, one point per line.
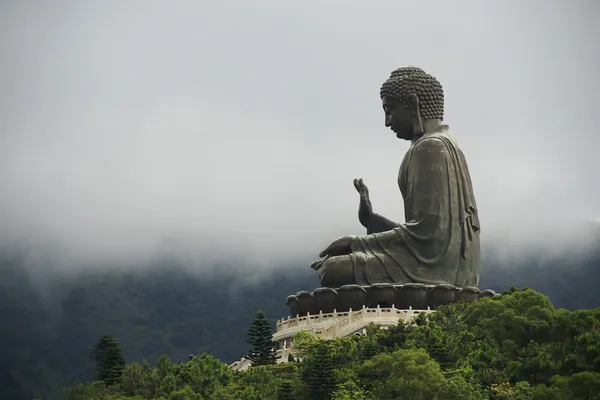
x=129, y=131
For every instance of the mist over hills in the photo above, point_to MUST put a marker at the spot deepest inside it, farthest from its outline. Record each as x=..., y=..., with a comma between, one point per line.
x=123, y=123
x=168, y=308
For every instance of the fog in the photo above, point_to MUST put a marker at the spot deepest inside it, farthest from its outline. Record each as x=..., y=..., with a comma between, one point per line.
x=231, y=131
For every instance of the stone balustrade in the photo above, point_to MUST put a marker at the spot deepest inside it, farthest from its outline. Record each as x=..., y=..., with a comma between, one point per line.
x=339, y=324
x=308, y=321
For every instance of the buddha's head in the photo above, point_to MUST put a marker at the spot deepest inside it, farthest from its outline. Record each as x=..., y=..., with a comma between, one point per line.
x=410, y=97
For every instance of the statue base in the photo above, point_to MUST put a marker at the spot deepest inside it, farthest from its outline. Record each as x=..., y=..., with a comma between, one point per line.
x=411, y=296
x=336, y=313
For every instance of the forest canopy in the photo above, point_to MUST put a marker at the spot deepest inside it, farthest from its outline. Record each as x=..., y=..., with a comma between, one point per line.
x=513, y=346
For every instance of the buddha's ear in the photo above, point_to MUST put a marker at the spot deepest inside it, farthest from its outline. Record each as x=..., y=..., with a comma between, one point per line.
x=412, y=101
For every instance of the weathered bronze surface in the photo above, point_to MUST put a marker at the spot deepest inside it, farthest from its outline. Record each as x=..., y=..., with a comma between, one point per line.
x=439, y=242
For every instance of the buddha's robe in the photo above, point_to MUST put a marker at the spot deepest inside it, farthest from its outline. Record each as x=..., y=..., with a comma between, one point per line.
x=439, y=243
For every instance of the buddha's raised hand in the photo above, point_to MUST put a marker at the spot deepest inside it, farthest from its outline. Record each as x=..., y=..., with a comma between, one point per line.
x=365, y=209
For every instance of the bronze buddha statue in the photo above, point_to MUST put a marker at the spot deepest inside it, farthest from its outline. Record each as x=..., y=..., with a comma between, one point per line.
x=439, y=242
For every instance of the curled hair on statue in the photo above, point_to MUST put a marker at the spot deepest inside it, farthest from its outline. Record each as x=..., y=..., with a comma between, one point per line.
x=406, y=81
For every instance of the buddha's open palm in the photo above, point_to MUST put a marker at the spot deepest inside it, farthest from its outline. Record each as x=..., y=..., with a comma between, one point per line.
x=365, y=209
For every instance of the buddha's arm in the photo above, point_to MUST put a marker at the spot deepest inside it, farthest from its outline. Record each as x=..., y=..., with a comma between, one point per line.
x=428, y=195
x=379, y=223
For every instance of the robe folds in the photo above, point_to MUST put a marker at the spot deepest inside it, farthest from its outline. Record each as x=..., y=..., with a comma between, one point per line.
x=439, y=242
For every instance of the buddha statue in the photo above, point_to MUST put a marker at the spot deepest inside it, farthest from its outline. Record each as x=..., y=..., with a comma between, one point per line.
x=439, y=242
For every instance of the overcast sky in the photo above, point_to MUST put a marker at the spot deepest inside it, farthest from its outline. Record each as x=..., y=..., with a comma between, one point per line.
x=221, y=127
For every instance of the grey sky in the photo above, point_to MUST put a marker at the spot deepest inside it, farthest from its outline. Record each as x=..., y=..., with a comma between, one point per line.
x=239, y=125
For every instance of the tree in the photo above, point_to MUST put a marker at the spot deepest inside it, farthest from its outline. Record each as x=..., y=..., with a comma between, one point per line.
x=319, y=373
x=582, y=385
x=348, y=391
x=403, y=374
x=108, y=360
x=259, y=337
x=285, y=391
x=261, y=379
x=140, y=380
x=205, y=375
x=86, y=391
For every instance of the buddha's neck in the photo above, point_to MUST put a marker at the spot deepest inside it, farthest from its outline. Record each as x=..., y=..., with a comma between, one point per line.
x=429, y=125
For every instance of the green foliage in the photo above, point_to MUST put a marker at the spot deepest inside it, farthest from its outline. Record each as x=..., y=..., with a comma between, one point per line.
x=579, y=386
x=512, y=347
x=166, y=308
x=83, y=391
x=185, y=393
x=285, y=391
x=403, y=374
x=458, y=388
x=261, y=379
x=204, y=374
x=108, y=360
x=349, y=390
x=318, y=371
x=259, y=337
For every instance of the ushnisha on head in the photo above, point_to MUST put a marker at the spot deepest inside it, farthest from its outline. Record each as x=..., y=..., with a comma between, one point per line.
x=412, y=100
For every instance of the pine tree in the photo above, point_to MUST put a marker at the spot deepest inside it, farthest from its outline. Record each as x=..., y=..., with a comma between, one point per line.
x=285, y=391
x=367, y=346
x=259, y=337
x=439, y=352
x=108, y=360
x=320, y=377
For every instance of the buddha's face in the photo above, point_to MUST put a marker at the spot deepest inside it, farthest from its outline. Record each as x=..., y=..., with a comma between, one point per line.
x=398, y=118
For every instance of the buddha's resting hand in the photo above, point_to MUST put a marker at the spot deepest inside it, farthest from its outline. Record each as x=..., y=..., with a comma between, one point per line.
x=318, y=264
x=365, y=209
x=338, y=247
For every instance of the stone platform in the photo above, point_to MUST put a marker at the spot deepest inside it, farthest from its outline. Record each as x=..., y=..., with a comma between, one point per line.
x=337, y=325
x=415, y=296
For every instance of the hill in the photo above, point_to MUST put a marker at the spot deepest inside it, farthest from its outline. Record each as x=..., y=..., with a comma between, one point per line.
x=513, y=346
x=167, y=309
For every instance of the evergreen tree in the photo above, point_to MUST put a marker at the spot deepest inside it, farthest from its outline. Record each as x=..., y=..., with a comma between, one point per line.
x=368, y=348
x=320, y=374
x=259, y=337
x=285, y=391
x=439, y=352
x=108, y=360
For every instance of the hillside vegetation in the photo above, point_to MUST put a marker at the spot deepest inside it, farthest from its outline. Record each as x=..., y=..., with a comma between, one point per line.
x=50, y=321
x=514, y=346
